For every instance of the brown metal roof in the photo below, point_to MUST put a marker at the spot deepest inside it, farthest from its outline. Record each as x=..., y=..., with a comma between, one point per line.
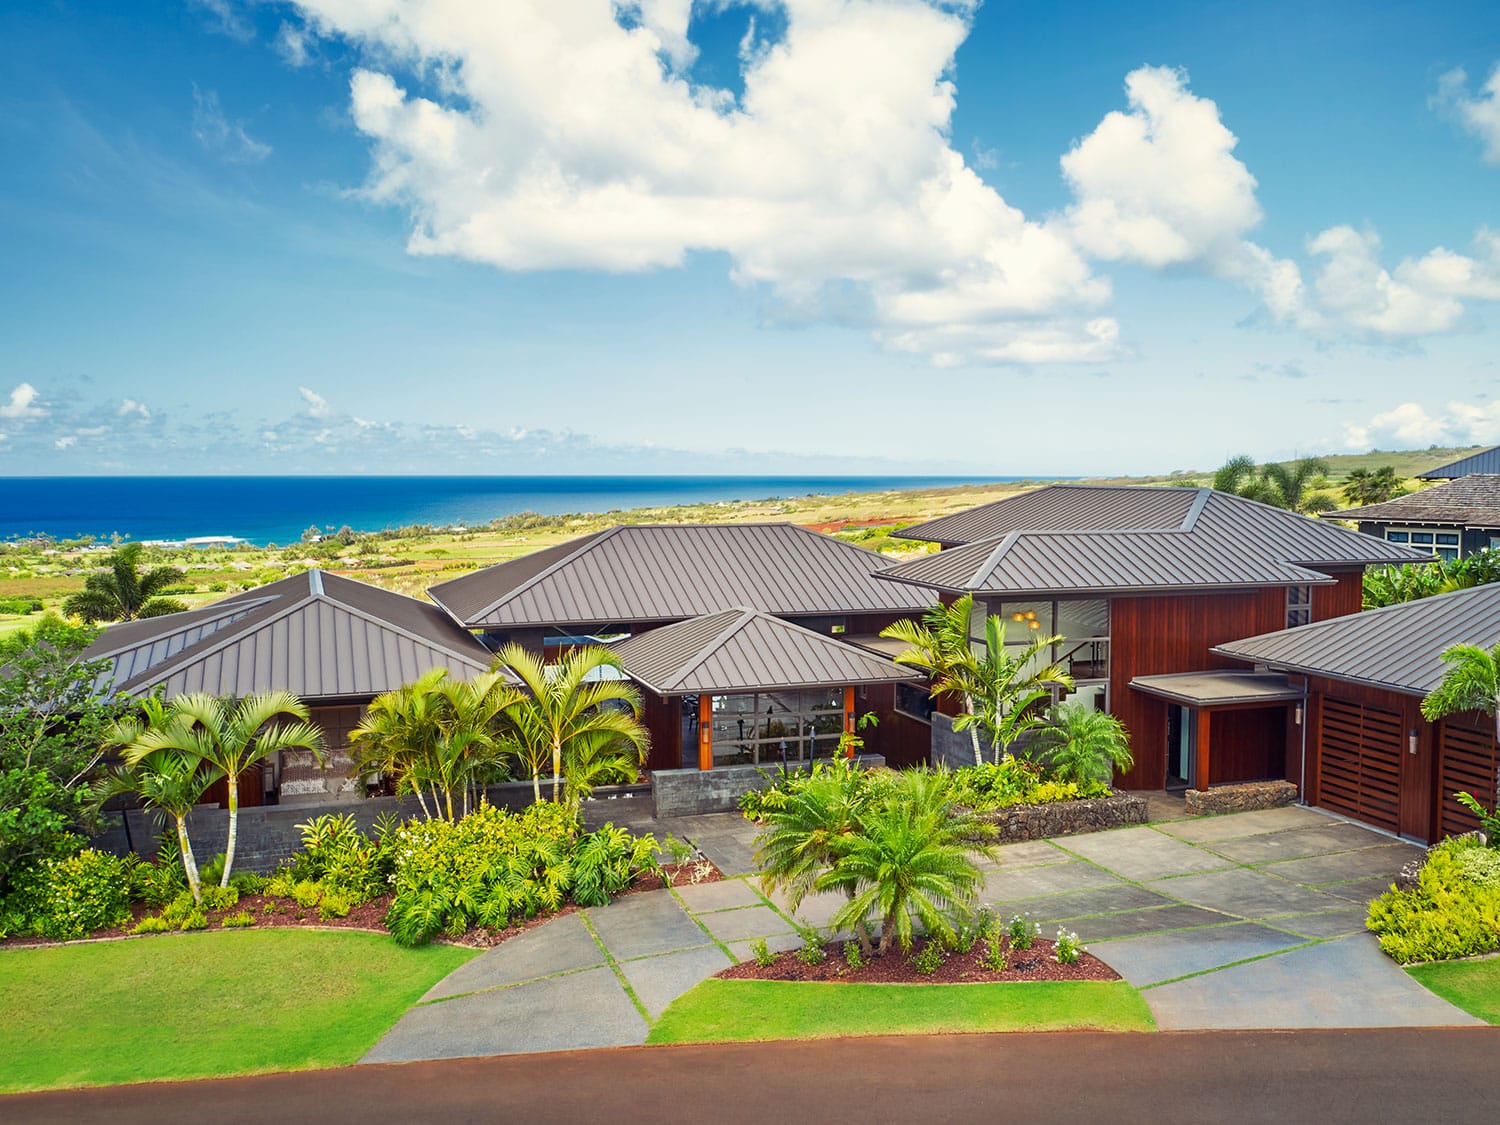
x=743, y=649
x=1061, y=507
x=1219, y=542
x=1219, y=688
x=1485, y=461
x=1469, y=501
x=1399, y=647
x=315, y=634
x=670, y=572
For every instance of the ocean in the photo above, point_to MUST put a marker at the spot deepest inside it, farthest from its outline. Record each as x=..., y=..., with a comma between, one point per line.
x=278, y=509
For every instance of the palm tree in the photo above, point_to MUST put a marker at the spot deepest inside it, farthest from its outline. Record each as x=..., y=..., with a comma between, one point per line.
x=231, y=736
x=168, y=780
x=1003, y=688
x=122, y=593
x=908, y=857
x=565, y=718
x=939, y=646
x=1295, y=485
x=1239, y=476
x=1471, y=683
x=1082, y=744
x=1362, y=487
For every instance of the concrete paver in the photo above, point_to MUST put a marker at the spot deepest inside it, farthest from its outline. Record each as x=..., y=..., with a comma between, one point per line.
x=1360, y=890
x=1130, y=923
x=560, y=945
x=643, y=924
x=747, y=922
x=1233, y=825
x=1297, y=844
x=814, y=910
x=1105, y=900
x=1031, y=853
x=778, y=943
x=725, y=895
x=1159, y=957
x=657, y=981
x=1143, y=853
x=1034, y=882
x=1344, y=983
x=1249, y=894
x=1330, y=924
x=1383, y=861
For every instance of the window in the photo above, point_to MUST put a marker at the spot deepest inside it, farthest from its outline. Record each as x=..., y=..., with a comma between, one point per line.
x=1083, y=623
x=1443, y=544
x=1298, y=606
x=1394, y=536
x=915, y=702
x=775, y=727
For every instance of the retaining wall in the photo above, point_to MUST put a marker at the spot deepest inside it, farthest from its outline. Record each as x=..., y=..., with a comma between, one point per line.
x=690, y=792
x=1245, y=797
x=1067, y=818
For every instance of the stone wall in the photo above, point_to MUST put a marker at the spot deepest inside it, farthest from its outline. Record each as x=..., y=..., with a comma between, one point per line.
x=1244, y=797
x=1067, y=818
x=951, y=748
x=689, y=792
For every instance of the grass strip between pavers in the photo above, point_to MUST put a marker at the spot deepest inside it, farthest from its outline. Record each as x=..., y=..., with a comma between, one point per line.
x=722, y=1011
x=1473, y=986
x=204, y=1005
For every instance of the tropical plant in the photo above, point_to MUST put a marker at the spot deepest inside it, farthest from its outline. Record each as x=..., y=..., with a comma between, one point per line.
x=571, y=722
x=1389, y=585
x=908, y=859
x=1004, y=687
x=1366, y=486
x=1081, y=745
x=1471, y=683
x=120, y=592
x=938, y=645
x=1298, y=486
x=229, y=736
x=165, y=777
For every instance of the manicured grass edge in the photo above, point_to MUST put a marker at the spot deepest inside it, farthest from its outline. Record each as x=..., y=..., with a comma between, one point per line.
x=726, y=1011
x=1472, y=984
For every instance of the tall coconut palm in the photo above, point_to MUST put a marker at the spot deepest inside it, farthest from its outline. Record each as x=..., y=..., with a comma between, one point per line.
x=122, y=593
x=563, y=715
x=939, y=645
x=1005, y=686
x=1471, y=683
x=231, y=736
x=168, y=780
x=1294, y=485
x=909, y=858
x=1081, y=744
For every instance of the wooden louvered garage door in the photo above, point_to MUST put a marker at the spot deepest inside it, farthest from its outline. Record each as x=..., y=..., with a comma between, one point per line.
x=1466, y=763
x=1361, y=762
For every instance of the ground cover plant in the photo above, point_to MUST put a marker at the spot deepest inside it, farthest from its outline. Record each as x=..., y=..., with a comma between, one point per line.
x=1452, y=911
x=1473, y=986
x=723, y=1011
x=202, y=1005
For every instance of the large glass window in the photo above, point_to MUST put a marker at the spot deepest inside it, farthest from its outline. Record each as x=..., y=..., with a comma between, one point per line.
x=771, y=728
x=1083, y=623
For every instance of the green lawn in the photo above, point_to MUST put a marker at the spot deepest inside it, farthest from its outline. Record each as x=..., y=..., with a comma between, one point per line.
x=748, y=1010
x=1473, y=986
x=206, y=1004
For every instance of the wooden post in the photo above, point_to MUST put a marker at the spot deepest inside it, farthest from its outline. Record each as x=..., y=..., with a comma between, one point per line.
x=849, y=710
x=705, y=732
x=1200, y=780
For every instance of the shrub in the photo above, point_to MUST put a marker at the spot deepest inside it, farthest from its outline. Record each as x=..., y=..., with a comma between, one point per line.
x=155, y=884
x=1480, y=866
x=995, y=956
x=152, y=924
x=1489, y=822
x=761, y=951
x=281, y=883
x=237, y=921
x=810, y=952
x=337, y=855
x=929, y=958
x=69, y=898
x=219, y=898
x=1067, y=948
x=334, y=905
x=1023, y=931
x=307, y=893
x=1448, y=914
x=852, y=956
x=195, y=920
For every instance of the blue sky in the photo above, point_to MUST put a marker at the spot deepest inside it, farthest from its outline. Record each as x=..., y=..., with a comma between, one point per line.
x=824, y=235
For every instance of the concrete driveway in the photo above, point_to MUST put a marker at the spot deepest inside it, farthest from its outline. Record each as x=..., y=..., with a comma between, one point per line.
x=1251, y=920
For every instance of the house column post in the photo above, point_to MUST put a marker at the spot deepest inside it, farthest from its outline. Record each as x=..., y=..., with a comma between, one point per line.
x=1200, y=778
x=849, y=710
x=705, y=732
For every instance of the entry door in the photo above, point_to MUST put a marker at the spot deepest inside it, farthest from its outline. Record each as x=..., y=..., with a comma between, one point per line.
x=1182, y=746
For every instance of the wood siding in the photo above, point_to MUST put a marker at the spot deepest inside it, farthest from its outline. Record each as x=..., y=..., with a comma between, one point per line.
x=1248, y=745
x=900, y=739
x=1340, y=600
x=662, y=718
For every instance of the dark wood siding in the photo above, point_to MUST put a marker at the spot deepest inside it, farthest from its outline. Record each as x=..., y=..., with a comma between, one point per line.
x=1248, y=745
x=1339, y=600
x=663, y=719
x=902, y=740
x=1468, y=763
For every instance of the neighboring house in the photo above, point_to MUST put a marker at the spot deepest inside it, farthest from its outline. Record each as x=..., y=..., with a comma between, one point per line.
x=1143, y=583
x=1369, y=753
x=333, y=642
x=1485, y=461
x=1450, y=520
x=622, y=584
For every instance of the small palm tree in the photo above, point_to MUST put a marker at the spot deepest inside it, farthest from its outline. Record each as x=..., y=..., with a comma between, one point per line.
x=168, y=780
x=1004, y=687
x=1081, y=744
x=909, y=858
x=1471, y=683
x=122, y=593
x=229, y=737
x=1295, y=485
x=938, y=645
x=1362, y=486
x=563, y=717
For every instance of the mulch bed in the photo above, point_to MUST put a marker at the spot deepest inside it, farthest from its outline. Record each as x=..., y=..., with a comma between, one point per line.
x=1036, y=963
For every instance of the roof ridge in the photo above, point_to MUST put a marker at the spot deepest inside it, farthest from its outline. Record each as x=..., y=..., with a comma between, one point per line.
x=1190, y=521
x=245, y=607
x=591, y=540
x=992, y=560
x=743, y=616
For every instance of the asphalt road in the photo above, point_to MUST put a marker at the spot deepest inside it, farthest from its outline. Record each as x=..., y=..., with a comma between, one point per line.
x=1445, y=1075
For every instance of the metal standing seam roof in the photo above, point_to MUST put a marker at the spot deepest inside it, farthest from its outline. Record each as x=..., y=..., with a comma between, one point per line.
x=671, y=572
x=743, y=649
x=1218, y=542
x=1399, y=647
x=1061, y=507
x=314, y=634
x=1468, y=501
x=1485, y=461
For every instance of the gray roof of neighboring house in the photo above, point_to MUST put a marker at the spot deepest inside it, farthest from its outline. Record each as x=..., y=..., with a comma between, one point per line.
x=1152, y=539
x=314, y=634
x=670, y=572
x=1485, y=461
x=743, y=649
x=1468, y=501
x=1399, y=647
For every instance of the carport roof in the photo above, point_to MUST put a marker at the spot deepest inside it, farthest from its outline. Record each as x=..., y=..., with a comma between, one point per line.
x=744, y=649
x=1219, y=688
x=1399, y=647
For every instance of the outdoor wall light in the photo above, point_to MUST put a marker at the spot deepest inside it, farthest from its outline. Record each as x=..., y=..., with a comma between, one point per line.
x=1297, y=715
x=1411, y=742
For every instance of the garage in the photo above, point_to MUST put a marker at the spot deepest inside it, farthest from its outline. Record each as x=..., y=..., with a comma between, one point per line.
x=1360, y=762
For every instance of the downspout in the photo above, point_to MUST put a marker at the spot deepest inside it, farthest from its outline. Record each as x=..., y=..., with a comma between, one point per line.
x=1302, y=771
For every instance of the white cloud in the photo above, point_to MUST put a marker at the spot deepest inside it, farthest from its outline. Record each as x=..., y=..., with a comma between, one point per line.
x=317, y=405
x=66, y=442
x=1410, y=425
x=218, y=135
x=1480, y=114
x=294, y=44
x=573, y=140
x=227, y=19
x=130, y=408
x=23, y=403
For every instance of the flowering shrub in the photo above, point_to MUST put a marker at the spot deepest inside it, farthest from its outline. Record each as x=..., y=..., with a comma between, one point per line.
x=1067, y=947
x=1453, y=911
x=68, y=898
x=341, y=859
x=1023, y=931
